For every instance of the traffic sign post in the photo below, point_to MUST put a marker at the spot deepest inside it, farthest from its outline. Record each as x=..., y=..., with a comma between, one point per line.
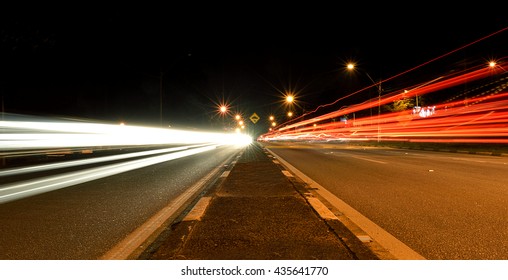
x=254, y=118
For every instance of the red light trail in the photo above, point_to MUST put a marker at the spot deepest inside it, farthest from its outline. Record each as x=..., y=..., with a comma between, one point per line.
x=484, y=119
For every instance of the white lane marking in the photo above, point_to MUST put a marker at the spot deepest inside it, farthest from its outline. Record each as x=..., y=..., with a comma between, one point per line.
x=396, y=247
x=198, y=210
x=364, y=238
x=287, y=173
x=129, y=245
x=225, y=174
x=368, y=159
x=474, y=160
x=321, y=209
x=357, y=157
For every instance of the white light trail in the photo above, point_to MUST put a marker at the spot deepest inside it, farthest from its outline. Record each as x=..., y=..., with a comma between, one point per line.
x=51, y=166
x=20, y=190
x=27, y=136
x=23, y=135
x=482, y=118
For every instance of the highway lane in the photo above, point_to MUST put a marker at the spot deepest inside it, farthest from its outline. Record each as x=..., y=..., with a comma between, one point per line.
x=442, y=205
x=86, y=220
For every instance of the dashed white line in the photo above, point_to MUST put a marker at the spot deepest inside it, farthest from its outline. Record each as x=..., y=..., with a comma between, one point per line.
x=368, y=159
x=198, y=210
x=364, y=238
x=321, y=209
x=287, y=173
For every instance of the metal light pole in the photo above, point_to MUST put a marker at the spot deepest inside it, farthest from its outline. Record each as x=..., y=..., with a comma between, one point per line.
x=160, y=97
x=379, y=90
x=4, y=160
x=351, y=66
x=3, y=108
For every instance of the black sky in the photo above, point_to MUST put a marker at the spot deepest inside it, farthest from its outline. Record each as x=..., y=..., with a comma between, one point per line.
x=105, y=63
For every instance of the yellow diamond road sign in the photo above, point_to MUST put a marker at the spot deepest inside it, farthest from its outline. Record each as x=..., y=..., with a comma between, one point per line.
x=254, y=118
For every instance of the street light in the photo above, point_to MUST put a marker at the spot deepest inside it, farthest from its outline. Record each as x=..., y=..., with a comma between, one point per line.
x=379, y=90
x=290, y=98
x=223, y=109
x=272, y=121
x=351, y=66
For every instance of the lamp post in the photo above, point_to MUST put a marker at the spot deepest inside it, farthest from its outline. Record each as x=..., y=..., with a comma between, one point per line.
x=379, y=90
x=160, y=97
x=272, y=121
x=223, y=111
x=351, y=66
x=290, y=98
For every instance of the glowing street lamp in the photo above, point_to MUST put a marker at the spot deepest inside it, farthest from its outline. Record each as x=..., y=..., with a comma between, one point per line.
x=290, y=98
x=350, y=67
x=223, y=109
x=290, y=114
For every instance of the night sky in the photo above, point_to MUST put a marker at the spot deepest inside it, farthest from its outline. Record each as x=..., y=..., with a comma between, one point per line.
x=106, y=64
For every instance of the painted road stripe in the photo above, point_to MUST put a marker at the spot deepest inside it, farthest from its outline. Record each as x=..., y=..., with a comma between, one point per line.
x=287, y=173
x=225, y=174
x=128, y=246
x=321, y=209
x=198, y=210
x=364, y=238
x=368, y=159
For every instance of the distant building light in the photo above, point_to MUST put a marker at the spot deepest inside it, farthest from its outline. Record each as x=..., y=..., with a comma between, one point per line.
x=424, y=112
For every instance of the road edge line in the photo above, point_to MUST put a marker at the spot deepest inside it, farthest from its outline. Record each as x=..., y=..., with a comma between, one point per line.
x=134, y=244
x=395, y=247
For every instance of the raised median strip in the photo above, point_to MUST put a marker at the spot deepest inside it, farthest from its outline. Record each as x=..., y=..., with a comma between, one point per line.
x=259, y=211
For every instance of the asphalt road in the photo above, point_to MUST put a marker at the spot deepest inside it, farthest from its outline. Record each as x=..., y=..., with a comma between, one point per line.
x=444, y=206
x=86, y=220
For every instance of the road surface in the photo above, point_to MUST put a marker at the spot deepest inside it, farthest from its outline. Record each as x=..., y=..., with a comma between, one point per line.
x=442, y=205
